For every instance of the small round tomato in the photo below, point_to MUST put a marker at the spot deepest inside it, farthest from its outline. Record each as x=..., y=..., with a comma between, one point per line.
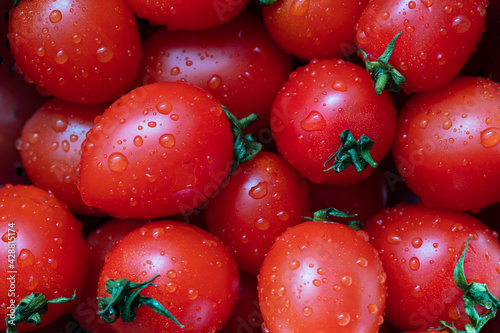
x=50, y=148
x=161, y=149
x=329, y=124
x=195, y=277
x=314, y=29
x=78, y=50
x=263, y=198
x=44, y=252
x=322, y=276
x=419, y=248
x=447, y=144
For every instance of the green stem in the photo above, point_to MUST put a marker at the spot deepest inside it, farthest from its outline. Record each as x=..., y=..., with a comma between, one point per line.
x=384, y=75
x=31, y=308
x=124, y=299
x=352, y=152
x=264, y=3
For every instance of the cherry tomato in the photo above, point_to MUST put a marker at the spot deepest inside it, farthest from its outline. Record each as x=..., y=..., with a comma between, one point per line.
x=447, y=147
x=322, y=277
x=259, y=202
x=319, y=103
x=44, y=251
x=419, y=247
x=160, y=149
x=79, y=50
x=198, y=280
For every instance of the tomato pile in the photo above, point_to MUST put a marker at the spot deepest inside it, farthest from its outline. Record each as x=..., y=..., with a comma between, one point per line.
x=250, y=166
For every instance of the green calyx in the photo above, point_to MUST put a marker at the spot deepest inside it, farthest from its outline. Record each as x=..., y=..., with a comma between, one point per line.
x=384, y=75
x=264, y=3
x=352, y=152
x=124, y=299
x=245, y=146
x=329, y=214
x=31, y=308
x=16, y=2
x=474, y=294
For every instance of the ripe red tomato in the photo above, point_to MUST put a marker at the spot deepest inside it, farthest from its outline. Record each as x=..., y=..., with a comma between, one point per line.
x=188, y=15
x=322, y=277
x=101, y=241
x=322, y=100
x=314, y=29
x=80, y=50
x=198, y=280
x=447, y=146
x=237, y=63
x=419, y=247
x=437, y=37
x=44, y=251
x=263, y=198
x=50, y=148
x=160, y=149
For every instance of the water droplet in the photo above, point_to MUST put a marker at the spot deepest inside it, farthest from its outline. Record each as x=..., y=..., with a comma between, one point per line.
x=138, y=141
x=76, y=38
x=412, y=5
x=498, y=267
x=214, y=82
x=40, y=51
x=152, y=124
x=490, y=137
x=447, y=9
x=164, y=107
x=167, y=140
x=55, y=16
x=481, y=10
x=321, y=271
x=25, y=258
x=283, y=216
x=104, y=54
x=282, y=291
x=461, y=24
x=299, y=7
x=193, y=294
x=382, y=277
x=117, y=162
x=385, y=16
x=294, y=264
x=343, y=319
x=313, y=122
x=171, y=274
x=447, y=124
x=393, y=238
x=307, y=311
x=60, y=123
x=427, y=3
x=416, y=242
x=372, y=309
x=259, y=191
x=175, y=71
x=262, y=223
x=346, y=280
x=414, y=263
x=61, y=57
x=171, y=287
x=158, y=232
x=339, y=85
x=424, y=123
x=362, y=262
x=9, y=236
x=31, y=283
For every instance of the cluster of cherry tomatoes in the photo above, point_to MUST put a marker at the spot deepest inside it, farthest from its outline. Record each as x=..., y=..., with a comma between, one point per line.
x=250, y=166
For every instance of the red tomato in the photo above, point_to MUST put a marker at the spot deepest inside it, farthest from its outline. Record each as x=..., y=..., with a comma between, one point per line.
x=318, y=103
x=419, y=247
x=237, y=63
x=437, y=37
x=44, y=251
x=314, y=29
x=50, y=147
x=263, y=198
x=447, y=147
x=73, y=49
x=322, y=277
x=198, y=280
x=188, y=15
x=101, y=241
x=161, y=149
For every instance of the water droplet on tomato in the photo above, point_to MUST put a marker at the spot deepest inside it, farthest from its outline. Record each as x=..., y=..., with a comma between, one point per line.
x=171, y=287
x=498, y=267
x=40, y=51
x=385, y=16
x=25, y=258
x=414, y=263
x=262, y=223
x=447, y=9
x=55, y=16
x=416, y=242
x=461, y=24
x=77, y=38
x=164, y=107
x=299, y=7
x=282, y=291
x=490, y=137
x=32, y=283
x=214, y=82
x=321, y=271
x=447, y=124
x=117, y=162
x=393, y=238
x=259, y=191
x=167, y=140
x=171, y=274
x=157, y=232
x=362, y=262
x=382, y=277
x=412, y=5
x=427, y=3
x=138, y=141
x=346, y=280
x=61, y=57
x=339, y=85
x=152, y=124
x=372, y=309
x=60, y=123
x=343, y=319
x=294, y=264
x=175, y=71
x=104, y=54
x=307, y=311
x=481, y=10
x=193, y=294
x=313, y=122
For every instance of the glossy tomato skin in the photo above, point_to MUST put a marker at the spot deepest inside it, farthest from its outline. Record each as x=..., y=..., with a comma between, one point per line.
x=446, y=146
x=322, y=277
x=50, y=251
x=437, y=39
x=419, y=247
x=188, y=15
x=72, y=49
x=161, y=149
x=318, y=102
x=263, y=198
x=198, y=280
x=238, y=63
x=101, y=240
x=50, y=148
x=315, y=29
